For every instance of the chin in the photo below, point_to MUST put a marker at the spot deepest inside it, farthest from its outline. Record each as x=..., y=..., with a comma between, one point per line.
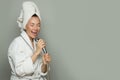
x=34, y=37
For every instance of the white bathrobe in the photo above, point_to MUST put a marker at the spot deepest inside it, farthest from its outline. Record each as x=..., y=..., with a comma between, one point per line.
x=19, y=55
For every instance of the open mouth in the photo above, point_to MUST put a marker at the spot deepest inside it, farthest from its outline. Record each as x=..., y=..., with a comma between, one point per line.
x=34, y=33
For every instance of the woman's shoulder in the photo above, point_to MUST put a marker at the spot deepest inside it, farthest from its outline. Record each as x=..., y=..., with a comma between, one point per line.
x=15, y=44
x=16, y=41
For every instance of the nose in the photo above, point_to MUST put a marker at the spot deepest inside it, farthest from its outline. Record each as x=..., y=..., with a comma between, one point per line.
x=35, y=28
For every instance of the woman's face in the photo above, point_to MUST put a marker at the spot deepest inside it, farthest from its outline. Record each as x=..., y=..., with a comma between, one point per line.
x=33, y=27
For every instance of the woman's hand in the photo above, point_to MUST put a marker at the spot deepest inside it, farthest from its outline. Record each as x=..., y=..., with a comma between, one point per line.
x=46, y=58
x=40, y=45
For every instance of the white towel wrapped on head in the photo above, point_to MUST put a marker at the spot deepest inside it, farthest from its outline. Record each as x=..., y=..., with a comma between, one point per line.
x=29, y=8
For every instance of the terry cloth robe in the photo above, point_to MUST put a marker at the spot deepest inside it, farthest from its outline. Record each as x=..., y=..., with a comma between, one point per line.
x=19, y=56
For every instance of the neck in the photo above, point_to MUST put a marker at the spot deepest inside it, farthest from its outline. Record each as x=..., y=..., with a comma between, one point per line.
x=31, y=39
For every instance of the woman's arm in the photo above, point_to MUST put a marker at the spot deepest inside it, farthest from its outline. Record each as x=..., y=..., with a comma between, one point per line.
x=46, y=60
x=40, y=45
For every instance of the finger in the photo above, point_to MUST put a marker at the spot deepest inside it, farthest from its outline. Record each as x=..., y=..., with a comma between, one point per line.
x=41, y=42
x=43, y=45
x=47, y=58
x=44, y=60
x=40, y=39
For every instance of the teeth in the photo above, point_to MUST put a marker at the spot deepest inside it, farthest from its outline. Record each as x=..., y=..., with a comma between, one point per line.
x=34, y=32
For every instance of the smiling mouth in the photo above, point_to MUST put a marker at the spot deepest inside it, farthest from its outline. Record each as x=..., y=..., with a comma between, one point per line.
x=35, y=33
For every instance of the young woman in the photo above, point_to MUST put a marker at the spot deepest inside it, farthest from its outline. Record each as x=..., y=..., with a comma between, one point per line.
x=25, y=53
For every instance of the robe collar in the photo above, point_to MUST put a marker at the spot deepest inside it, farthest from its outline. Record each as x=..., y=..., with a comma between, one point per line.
x=27, y=40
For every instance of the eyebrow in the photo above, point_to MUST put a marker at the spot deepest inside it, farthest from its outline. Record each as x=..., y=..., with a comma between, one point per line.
x=34, y=23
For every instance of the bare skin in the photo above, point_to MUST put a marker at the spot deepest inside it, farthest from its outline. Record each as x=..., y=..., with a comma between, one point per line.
x=33, y=29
